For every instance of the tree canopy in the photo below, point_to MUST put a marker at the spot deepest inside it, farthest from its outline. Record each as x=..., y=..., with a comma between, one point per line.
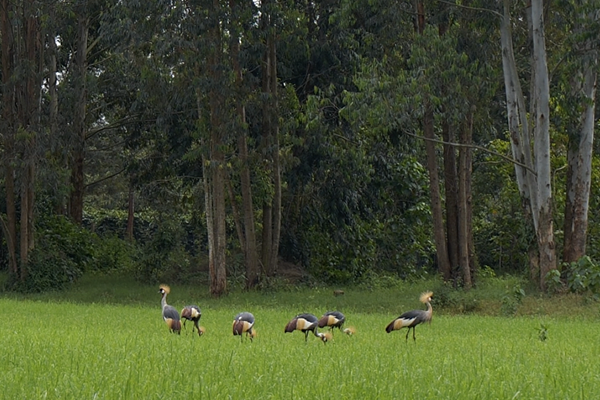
x=217, y=139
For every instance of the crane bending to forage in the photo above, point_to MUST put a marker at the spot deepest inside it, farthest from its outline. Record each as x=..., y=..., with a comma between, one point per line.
x=307, y=323
x=244, y=323
x=349, y=331
x=411, y=319
x=169, y=313
x=193, y=313
x=332, y=319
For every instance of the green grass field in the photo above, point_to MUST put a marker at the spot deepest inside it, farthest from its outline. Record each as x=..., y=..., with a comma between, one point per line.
x=106, y=340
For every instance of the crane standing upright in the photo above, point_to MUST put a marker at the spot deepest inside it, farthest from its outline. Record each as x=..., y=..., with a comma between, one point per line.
x=169, y=313
x=307, y=323
x=411, y=319
x=193, y=313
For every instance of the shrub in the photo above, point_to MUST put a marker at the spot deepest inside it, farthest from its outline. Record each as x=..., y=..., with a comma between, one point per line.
x=62, y=253
x=582, y=275
x=112, y=254
x=446, y=296
x=511, y=300
x=163, y=257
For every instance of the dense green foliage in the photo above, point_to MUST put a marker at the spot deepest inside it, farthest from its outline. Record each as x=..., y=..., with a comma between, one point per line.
x=352, y=81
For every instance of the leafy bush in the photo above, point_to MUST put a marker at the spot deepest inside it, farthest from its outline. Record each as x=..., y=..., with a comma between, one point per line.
x=554, y=281
x=112, y=254
x=582, y=275
x=511, y=300
x=62, y=253
x=446, y=296
x=163, y=257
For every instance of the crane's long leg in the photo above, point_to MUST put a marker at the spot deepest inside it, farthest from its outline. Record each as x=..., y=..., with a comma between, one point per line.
x=407, y=332
x=306, y=336
x=414, y=338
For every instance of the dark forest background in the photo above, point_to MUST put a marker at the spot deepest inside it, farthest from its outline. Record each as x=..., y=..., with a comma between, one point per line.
x=227, y=142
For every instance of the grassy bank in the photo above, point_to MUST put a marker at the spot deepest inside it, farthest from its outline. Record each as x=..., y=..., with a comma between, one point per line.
x=105, y=339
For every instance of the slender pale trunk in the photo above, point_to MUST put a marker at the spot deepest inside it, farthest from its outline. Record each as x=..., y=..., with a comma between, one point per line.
x=545, y=231
x=518, y=124
x=533, y=177
x=579, y=158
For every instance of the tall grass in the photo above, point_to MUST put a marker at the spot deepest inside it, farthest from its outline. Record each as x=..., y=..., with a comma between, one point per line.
x=105, y=346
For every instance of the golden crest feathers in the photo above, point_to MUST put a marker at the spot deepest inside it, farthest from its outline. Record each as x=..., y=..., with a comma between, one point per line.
x=425, y=297
x=166, y=288
x=350, y=331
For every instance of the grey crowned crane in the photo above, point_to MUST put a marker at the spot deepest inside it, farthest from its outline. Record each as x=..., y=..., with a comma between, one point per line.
x=307, y=323
x=411, y=319
x=193, y=313
x=335, y=319
x=332, y=319
x=169, y=313
x=244, y=323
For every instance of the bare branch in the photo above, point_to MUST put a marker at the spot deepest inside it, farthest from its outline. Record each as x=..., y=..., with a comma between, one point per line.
x=476, y=147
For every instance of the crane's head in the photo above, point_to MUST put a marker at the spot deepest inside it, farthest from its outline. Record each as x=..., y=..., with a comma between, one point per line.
x=350, y=331
x=325, y=337
x=164, y=289
x=201, y=330
x=426, y=297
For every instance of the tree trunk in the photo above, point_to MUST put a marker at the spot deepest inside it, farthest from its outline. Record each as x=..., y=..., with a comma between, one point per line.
x=464, y=208
x=434, y=193
x=534, y=180
x=267, y=222
x=579, y=158
x=248, y=240
x=545, y=231
x=276, y=170
x=78, y=157
x=518, y=124
x=451, y=186
x=130, y=214
x=8, y=134
x=216, y=168
x=28, y=112
x=439, y=233
x=237, y=221
x=270, y=132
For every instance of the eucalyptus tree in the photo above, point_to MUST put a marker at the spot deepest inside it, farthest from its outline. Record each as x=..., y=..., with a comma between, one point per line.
x=22, y=74
x=529, y=134
x=578, y=85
